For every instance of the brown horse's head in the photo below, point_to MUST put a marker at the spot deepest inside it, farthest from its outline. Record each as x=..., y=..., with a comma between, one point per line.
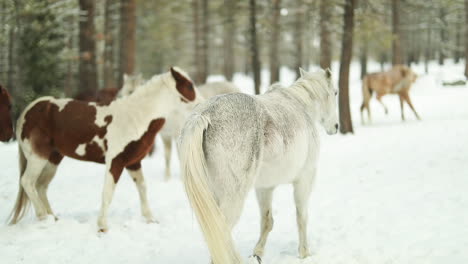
x=6, y=124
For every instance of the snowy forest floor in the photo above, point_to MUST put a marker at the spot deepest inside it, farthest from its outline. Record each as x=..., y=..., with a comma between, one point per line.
x=394, y=192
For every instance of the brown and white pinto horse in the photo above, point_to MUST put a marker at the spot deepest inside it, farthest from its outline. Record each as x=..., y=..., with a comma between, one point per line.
x=398, y=80
x=118, y=135
x=6, y=125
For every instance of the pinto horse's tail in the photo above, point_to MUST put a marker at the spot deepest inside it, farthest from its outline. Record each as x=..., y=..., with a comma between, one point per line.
x=22, y=200
x=195, y=177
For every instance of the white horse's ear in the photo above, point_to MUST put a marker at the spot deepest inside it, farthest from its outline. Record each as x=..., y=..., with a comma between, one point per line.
x=328, y=73
x=125, y=77
x=302, y=72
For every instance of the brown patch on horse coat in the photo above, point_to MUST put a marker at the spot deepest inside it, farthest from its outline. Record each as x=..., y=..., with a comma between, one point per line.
x=183, y=85
x=136, y=150
x=54, y=134
x=6, y=124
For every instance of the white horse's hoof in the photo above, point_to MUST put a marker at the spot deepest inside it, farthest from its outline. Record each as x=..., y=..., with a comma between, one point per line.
x=254, y=259
x=152, y=220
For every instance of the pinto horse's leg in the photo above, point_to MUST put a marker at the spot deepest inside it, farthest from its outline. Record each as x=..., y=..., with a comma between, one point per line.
x=35, y=166
x=110, y=181
x=302, y=189
x=42, y=185
x=137, y=176
x=264, y=198
x=167, y=142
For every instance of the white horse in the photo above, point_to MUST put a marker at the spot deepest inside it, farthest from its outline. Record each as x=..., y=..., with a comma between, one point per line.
x=118, y=135
x=235, y=142
x=177, y=117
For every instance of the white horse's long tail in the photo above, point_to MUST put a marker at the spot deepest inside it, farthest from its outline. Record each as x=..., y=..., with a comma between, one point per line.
x=195, y=172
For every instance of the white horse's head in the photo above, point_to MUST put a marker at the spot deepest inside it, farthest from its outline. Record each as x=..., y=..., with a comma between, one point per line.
x=326, y=93
x=130, y=83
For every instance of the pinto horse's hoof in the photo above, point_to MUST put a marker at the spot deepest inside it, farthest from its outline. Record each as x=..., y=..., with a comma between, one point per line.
x=254, y=259
x=103, y=230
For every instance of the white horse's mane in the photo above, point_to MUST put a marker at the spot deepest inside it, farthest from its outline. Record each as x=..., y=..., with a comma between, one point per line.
x=309, y=87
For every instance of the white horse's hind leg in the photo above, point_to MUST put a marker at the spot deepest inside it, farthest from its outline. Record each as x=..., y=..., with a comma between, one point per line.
x=43, y=184
x=108, y=192
x=302, y=189
x=137, y=176
x=264, y=198
x=34, y=168
x=167, y=141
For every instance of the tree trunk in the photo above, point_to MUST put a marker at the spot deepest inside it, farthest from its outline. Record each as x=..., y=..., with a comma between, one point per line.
x=298, y=38
x=274, y=42
x=364, y=57
x=4, y=45
x=396, y=41
x=458, y=34
x=427, y=52
x=11, y=59
x=109, y=77
x=466, y=38
x=70, y=80
x=325, y=34
x=196, y=36
x=205, y=42
x=346, y=125
x=127, y=38
x=229, y=39
x=443, y=37
x=87, y=45
x=254, y=47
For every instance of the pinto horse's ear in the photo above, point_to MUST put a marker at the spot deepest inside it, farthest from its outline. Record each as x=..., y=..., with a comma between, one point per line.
x=183, y=85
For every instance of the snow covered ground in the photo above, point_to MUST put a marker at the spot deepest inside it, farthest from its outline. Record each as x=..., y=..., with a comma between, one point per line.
x=395, y=192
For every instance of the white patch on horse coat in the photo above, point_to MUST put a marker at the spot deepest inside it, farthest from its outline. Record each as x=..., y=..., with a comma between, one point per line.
x=81, y=149
x=61, y=103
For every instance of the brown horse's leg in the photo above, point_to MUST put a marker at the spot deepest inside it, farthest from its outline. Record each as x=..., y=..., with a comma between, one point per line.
x=401, y=106
x=137, y=176
x=365, y=106
x=379, y=98
x=110, y=181
x=408, y=100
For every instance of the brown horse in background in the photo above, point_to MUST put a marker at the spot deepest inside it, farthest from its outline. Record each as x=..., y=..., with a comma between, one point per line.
x=398, y=80
x=6, y=124
x=102, y=97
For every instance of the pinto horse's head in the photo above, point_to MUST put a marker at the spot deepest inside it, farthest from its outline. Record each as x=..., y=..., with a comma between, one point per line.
x=327, y=99
x=6, y=124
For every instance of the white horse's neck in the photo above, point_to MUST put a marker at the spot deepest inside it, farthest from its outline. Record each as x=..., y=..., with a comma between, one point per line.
x=306, y=94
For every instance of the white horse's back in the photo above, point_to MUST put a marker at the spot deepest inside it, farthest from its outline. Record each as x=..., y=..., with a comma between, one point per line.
x=209, y=90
